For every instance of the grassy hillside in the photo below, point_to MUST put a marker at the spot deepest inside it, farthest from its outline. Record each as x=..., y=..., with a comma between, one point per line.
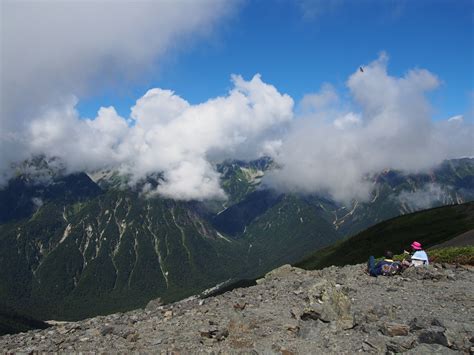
x=429, y=227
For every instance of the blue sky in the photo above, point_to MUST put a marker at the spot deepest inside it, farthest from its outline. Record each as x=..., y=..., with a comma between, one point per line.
x=298, y=46
x=110, y=53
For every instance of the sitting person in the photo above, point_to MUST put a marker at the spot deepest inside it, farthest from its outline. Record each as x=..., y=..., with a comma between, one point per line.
x=419, y=256
x=386, y=267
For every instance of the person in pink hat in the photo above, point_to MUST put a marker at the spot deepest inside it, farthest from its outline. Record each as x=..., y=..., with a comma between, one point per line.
x=419, y=256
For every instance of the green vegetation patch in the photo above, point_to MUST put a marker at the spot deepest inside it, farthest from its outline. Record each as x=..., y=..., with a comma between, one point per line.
x=453, y=255
x=429, y=227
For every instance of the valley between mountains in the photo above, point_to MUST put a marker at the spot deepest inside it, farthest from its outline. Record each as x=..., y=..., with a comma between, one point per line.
x=79, y=245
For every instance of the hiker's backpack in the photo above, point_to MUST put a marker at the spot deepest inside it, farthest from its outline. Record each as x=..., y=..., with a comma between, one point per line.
x=389, y=269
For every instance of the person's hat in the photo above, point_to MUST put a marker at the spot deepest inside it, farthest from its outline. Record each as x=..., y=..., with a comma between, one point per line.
x=416, y=245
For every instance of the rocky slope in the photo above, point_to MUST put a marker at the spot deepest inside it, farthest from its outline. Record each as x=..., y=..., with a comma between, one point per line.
x=329, y=311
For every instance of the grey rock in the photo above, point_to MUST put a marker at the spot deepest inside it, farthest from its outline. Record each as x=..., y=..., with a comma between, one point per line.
x=395, y=329
x=330, y=311
x=426, y=273
x=107, y=330
x=434, y=349
x=433, y=335
x=401, y=345
x=418, y=323
x=332, y=304
x=215, y=333
x=312, y=314
x=282, y=271
x=311, y=329
x=154, y=305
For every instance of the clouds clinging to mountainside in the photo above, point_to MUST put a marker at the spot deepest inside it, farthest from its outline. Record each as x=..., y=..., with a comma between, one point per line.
x=327, y=144
x=330, y=146
x=167, y=134
x=52, y=50
x=388, y=125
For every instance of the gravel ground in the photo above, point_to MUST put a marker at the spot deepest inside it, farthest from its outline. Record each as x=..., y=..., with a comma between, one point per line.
x=426, y=310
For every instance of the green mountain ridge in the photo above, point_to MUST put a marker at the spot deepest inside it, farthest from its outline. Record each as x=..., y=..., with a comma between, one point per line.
x=96, y=247
x=116, y=251
x=429, y=227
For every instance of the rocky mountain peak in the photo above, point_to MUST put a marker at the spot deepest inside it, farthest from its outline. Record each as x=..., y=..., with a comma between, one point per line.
x=290, y=310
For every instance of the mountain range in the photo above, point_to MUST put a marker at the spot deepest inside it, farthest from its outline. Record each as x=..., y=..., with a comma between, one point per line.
x=78, y=245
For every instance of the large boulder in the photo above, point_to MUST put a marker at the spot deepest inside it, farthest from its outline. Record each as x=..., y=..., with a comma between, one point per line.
x=328, y=301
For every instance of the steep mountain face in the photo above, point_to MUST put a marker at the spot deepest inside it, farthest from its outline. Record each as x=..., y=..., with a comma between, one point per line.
x=22, y=197
x=240, y=178
x=115, y=251
x=285, y=233
x=394, y=193
x=72, y=246
x=397, y=194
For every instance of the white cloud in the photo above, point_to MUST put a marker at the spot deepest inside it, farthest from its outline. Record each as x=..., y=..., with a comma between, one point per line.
x=54, y=49
x=457, y=118
x=428, y=196
x=334, y=150
x=330, y=147
x=169, y=135
x=348, y=120
x=327, y=97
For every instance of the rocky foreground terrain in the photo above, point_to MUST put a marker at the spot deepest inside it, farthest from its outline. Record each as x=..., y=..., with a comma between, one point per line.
x=291, y=311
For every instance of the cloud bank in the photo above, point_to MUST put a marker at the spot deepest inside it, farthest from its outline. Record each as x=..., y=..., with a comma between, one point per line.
x=332, y=149
x=430, y=195
x=54, y=52
x=167, y=134
x=329, y=146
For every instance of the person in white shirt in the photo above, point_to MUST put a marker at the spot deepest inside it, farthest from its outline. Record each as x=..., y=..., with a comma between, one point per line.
x=419, y=257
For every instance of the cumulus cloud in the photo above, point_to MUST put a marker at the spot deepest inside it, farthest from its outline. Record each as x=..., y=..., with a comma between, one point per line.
x=52, y=53
x=335, y=150
x=323, y=99
x=51, y=50
x=168, y=135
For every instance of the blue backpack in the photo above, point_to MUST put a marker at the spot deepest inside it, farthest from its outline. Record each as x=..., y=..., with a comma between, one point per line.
x=390, y=268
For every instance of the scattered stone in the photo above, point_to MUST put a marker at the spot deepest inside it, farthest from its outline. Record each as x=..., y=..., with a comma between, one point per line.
x=106, y=330
x=292, y=328
x=330, y=311
x=133, y=337
x=431, y=349
x=426, y=273
x=433, y=335
x=336, y=306
x=217, y=334
x=153, y=305
x=401, y=345
x=395, y=329
x=282, y=271
x=374, y=345
x=311, y=314
x=240, y=307
x=418, y=323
